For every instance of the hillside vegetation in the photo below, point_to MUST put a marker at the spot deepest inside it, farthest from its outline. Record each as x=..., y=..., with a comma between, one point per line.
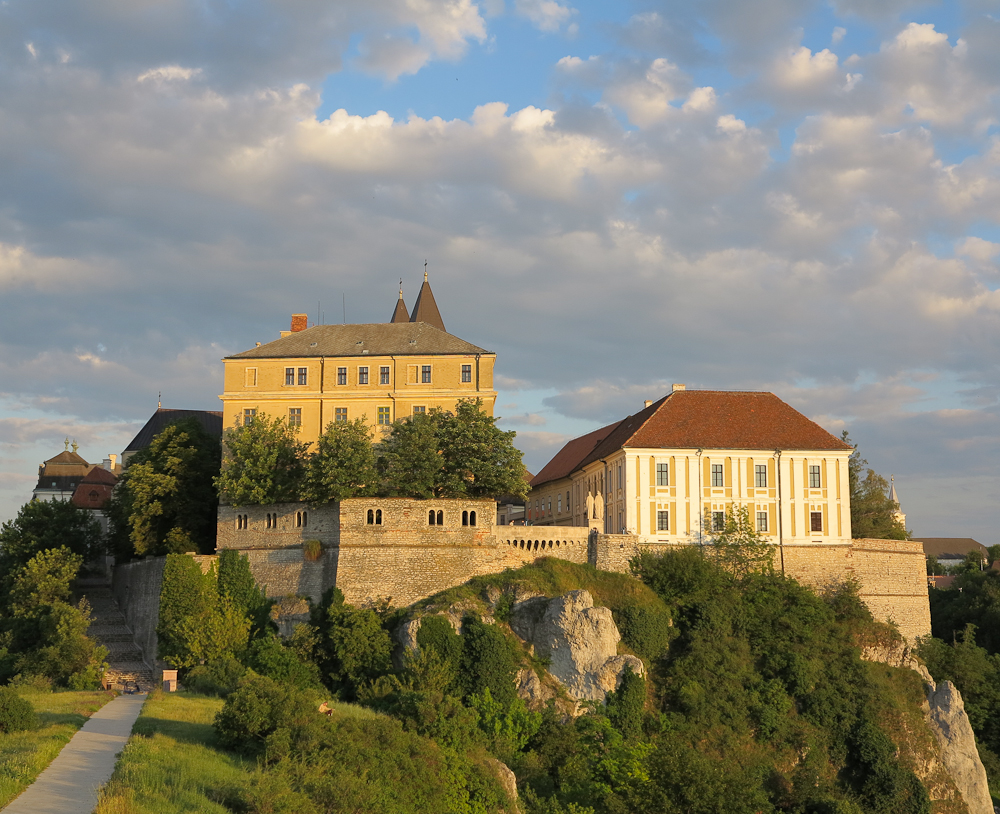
x=755, y=699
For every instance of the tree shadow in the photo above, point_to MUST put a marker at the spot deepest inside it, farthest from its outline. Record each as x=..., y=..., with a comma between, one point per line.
x=74, y=719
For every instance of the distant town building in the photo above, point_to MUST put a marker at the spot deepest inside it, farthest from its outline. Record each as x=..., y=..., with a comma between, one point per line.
x=379, y=372
x=68, y=476
x=670, y=472
x=951, y=551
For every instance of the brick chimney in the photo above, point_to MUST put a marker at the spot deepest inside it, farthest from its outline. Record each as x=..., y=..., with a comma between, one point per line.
x=299, y=322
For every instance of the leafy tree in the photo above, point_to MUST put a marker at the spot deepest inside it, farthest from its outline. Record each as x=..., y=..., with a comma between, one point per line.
x=444, y=454
x=237, y=584
x=343, y=464
x=934, y=568
x=489, y=661
x=165, y=500
x=185, y=593
x=44, y=634
x=738, y=547
x=41, y=525
x=478, y=459
x=263, y=462
x=872, y=511
x=408, y=457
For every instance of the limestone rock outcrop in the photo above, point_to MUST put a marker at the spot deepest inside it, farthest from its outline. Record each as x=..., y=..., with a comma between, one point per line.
x=950, y=724
x=579, y=640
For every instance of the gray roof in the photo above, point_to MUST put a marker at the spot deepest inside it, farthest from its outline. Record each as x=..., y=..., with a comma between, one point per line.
x=210, y=420
x=378, y=339
x=950, y=547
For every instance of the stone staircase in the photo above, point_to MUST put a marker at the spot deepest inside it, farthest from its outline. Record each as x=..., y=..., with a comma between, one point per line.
x=108, y=627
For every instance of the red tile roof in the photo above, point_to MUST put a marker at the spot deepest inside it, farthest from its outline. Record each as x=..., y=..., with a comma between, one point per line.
x=697, y=419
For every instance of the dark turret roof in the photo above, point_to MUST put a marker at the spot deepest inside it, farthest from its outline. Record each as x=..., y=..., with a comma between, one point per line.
x=425, y=309
x=400, y=314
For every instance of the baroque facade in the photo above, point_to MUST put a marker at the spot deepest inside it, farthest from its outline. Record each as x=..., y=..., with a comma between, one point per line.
x=669, y=473
x=379, y=372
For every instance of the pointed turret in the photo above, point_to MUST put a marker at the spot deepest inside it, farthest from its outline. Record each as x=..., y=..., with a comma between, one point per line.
x=400, y=314
x=425, y=309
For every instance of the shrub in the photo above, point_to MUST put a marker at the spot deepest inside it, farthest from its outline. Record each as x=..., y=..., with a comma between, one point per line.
x=16, y=713
x=625, y=705
x=312, y=550
x=218, y=678
x=647, y=631
x=259, y=708
x=489, y=661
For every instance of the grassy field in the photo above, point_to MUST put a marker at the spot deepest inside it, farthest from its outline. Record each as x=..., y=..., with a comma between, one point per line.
x=173, y=762
x=23, y=755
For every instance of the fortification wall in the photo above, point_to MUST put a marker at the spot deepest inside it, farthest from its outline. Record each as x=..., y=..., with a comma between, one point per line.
x=136, y=588
x=402, y=550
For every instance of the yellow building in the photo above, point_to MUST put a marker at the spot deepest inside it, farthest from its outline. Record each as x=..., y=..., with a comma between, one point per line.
x=379, y=372
x=683, y=461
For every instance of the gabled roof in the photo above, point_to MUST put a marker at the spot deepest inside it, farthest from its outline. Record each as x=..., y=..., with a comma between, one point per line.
x=697, y=419
x=100, y=475
x=67, y=458
x=210, y=420
x=425, y=309
x=376, y=339
x=950, y=547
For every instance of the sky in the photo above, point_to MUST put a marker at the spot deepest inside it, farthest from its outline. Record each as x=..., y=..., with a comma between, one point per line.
x=785, y=195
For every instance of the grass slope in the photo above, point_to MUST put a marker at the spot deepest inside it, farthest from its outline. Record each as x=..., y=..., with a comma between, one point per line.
x=24, y=755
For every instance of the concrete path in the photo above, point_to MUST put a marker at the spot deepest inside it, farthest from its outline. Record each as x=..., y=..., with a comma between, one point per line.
x=69, y=785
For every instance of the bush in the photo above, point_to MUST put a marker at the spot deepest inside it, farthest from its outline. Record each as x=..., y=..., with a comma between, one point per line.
x=489, y=661
x=312, y=550
x=218, y=678
x=16, y=713
x=261, y=712
x=647, y=631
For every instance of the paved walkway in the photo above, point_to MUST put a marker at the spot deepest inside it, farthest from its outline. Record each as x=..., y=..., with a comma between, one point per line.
x=69, y=785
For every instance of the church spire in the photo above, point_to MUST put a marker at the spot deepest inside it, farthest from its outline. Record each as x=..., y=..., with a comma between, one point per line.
x=400, y=315
x=425, y=309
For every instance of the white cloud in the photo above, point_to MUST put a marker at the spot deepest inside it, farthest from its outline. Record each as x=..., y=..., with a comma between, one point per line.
x=838, y=34
x=546, y=15
x=168, y=73
x=978, y=249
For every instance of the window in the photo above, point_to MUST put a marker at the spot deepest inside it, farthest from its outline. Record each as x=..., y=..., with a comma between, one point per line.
x=383, y=415
x=761, y=521
x=718, y=521
x=559, y=503
x=371, y=517
x=717, y=475
x=305, y=518
x=425, y=374
x=663, y=521
x=567, y=500
x=815, y=521
x=341, y=375
x=550, y=505
x=760, y=476
x=662, y=475
x=383, y=375
x=289, y=376
x=466, y=373
x=248, y=417
x=417, y=408
x=339, y=414
x=250, y=379
x=362, y=375
x=815, y=482
x=465, y=518
x=300, y=519
x=303, y=375
x=378, y=517
x=431, y=518
x=440, y=517
x=294, y=416
x=619, y=476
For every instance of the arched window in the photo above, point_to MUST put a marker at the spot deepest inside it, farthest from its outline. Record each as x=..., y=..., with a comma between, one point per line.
x=371, y=517
x=305, y=518
x=465, y=518
x=430, y=517
x=472, y=518
x=440, y=517
x=378, y=517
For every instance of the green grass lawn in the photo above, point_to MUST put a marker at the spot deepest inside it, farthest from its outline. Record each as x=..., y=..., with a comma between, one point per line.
x=173, y=762
x=23, y=755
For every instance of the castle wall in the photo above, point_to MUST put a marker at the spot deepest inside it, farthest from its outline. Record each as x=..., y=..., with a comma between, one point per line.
x=136, y=588
x=406, y=558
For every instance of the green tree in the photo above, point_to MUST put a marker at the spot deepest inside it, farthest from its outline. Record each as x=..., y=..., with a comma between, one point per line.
x=263, y=462
x=165, y=500
x=45, y=634
x=478, y=459
x=237, y=584
x=343, y=464
x=445, y=454
x=873, y=513
x=185, y=593
x=41, y=525
x=408, y=457
x=738, y=547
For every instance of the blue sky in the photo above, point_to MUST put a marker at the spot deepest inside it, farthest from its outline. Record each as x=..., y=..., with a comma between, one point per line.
x=784, y=195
